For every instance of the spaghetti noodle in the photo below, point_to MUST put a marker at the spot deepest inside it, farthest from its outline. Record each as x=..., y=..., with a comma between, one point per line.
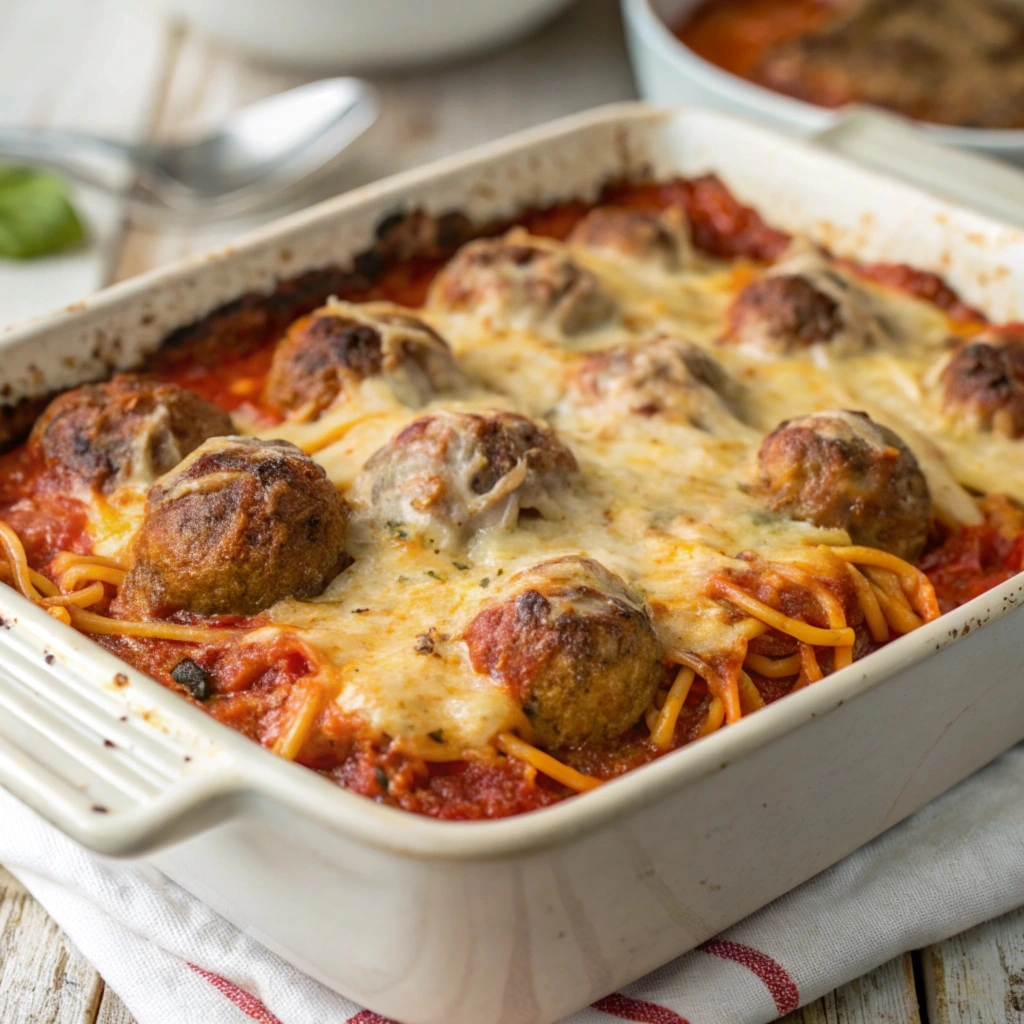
x=513, y=746
x=665, y=723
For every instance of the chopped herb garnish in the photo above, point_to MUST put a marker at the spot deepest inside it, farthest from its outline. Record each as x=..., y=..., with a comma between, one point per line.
x=360, y=611
x=403, y=579
x=500, y=572
x=434, y=575
x=485, y=582
x=397, y=529
x=461, y=566
x=382, y=779
x=425, y=643
x=437, y=735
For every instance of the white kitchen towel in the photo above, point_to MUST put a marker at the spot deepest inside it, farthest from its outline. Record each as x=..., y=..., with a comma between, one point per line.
x=954, y=864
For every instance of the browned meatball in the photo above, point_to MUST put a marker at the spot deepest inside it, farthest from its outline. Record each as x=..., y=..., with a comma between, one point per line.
x=665, y=376
x=984, y=383
x=782, y=314
x=803, y=301
x=842, y=470
x=575, y=646
x=240, y=525
x=329, y=352
x=656, y=240
x=126, y=430
x=523, y=283
x=452, y=471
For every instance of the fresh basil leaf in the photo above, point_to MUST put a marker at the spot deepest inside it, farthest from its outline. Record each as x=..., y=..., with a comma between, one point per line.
x=36, y=216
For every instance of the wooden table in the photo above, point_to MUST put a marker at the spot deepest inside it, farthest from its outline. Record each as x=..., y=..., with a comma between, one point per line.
x=118, y=66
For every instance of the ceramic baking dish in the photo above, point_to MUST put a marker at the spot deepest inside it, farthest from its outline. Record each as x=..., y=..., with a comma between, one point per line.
x=669, y=72
x=524, y=920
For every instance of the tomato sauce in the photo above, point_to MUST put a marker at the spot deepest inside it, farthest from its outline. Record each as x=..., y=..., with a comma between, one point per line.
x=969, y=561
x=735, y=35
x=225, y=359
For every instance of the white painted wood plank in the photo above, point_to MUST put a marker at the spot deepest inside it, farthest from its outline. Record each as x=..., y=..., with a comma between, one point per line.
x=579, y=61
x=885, y=996
x=977, y=977
x=89, y=66
x=43, y=978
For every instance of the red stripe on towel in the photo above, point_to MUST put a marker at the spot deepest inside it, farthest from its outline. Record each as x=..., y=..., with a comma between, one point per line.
x=618, y=1005
x=247, y=1003
x=778, y=982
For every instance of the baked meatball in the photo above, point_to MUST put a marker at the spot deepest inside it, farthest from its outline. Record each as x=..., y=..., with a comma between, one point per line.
x=661, y=241
x=803, y=301
x=126, y=430
x=523, y=283
x=984, y=383
x=840, y=469
x=575, y=646
x=331, y=351
x=664, y=376
x=240, y=525
x=450, y=472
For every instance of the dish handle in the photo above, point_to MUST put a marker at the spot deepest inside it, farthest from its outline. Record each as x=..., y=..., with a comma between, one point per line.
x=888, y=143
x=119, y=780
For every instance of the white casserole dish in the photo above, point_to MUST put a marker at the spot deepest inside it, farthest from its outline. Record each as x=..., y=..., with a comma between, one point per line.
x=524, y=920
x=669, y=72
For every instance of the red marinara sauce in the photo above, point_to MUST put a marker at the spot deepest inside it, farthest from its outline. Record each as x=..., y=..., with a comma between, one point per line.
x=969, y=561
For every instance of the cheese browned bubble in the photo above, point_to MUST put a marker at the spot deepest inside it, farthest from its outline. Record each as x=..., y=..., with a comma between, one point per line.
x=659, y=500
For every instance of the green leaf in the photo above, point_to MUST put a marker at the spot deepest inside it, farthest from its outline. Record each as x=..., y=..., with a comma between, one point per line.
x=36, y=216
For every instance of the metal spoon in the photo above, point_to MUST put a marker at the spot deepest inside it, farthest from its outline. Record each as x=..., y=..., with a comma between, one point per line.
x=259, y=154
